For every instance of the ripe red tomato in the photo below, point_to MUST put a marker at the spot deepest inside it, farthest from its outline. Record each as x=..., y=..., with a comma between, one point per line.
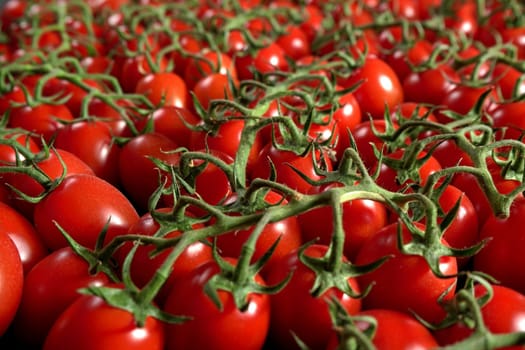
x=101, y=155
x=503, y=253
x=430, y=85
x=211, y=328
x=404, y=282
x=43, y=119
x=90, y=323
x=380, y=88
x=269, y=59
x=43, y=300
x=362, y=218
x=21, y=231
x=285, y=162
x=144, y=265
x=163, y=89
x=139, y=176
x=503, y=313
x=208, y=62
x=286, y=230
x=51, y=166
x=83, y=205
x=365, y=137
x=395, y=330
x=294, y=307
x=214, y=86
x=11, y=281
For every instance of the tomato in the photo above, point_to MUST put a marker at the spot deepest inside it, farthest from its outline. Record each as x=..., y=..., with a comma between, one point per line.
x=139, y=176
x=402, y=59
x=287, y=162
x=103, y=153
x=508, y=80
x=507, y=117
x=226, y=139
x=503, y=313
x=211, y=328
x=287, y=231
x=294, y=42
x=173, y=122
x=163, y=89
x=135, y=68
x=365, y=138
x=361, y=219
x=43, y=299
x=9, y=100
x=430, y=85
x=395, y=330
x=11, y=281
x=53, y=167
x=389, y=176
x=90, y=323
x=380, y=87
x=74, y=93
x=462, y=98
x=144, y=265
x=503, y=253
x=269, y=59
x=208, y=62
x=42, y=119
x=404, y=282
x=83, y=205
x=21, y=231
x=214, y=86
x=296, y=299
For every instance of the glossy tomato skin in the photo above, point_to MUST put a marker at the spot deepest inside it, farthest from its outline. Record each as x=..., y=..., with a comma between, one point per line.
x=211, y=328
x=163, y=89
x=102, y=154
x=43, y=299
x=53, y=167
x=284, y=162
x=380, y=88
x=404, y=282
x=395, y=330
x=504, y=313
x=287, y=231
x=90, y=323
x=83, y=205
x=294, y=309
x=11, y=281
x=362, y=218
x=144, y=266
x=503, y=254
x=173, y=122
x=21, y=231
x=139, y=175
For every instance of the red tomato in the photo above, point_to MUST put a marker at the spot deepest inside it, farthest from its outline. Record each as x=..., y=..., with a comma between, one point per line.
x=380, y=88
x=21, y=231
x=90, y=323
x=226, y=140
x=364, y=135
x=43, y=300
x=101, y=155
x=83, y=205
x=294, y=42
x=503, y=313
x=462, y=98
x=211, y=328
x=11, y=281
x=173, y=122
x=503, y=253
x=163, y=89
x=135, y=68
x=43, y=119
x=214, y=86
x=508, y=117
x=395, y=330
x=285, y=162
x=294, y=308
x=404, y=282
x=508, y=81
x=389, y=175
x=144, y=265
x=286, y=230
x=362, y=218
x=75, y=94
x=430, y=85
x=139, y=176
x=53, y=168
x=269, y=59
x=208, y=62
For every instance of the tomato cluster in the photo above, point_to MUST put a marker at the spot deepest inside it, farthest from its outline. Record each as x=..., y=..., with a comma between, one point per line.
x=256, y=174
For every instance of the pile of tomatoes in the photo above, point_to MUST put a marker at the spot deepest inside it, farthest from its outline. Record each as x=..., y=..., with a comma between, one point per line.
x=252, y=174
